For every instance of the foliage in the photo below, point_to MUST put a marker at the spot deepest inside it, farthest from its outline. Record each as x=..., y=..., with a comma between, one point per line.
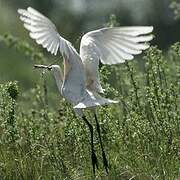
x=176, y=7
x=22, y=47
x=140, y=134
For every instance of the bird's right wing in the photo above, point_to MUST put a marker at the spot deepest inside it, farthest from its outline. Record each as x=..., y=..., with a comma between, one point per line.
x=45, y=33
x=111, y=46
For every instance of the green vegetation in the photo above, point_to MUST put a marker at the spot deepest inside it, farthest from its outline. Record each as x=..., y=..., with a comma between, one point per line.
x=41, y=138
x=176, y=7
x=141, y=134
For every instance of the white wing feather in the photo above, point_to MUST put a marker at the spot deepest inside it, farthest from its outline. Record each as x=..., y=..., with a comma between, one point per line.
x=111, y=46
x=44, y=32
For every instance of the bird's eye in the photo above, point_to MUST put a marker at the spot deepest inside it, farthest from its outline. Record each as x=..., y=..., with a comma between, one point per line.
x=49, y=68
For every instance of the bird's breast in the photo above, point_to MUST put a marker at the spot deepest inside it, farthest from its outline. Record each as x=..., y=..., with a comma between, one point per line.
x=67, y=68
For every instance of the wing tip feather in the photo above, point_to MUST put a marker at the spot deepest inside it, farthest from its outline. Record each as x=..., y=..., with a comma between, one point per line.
x=29, y=8
x=152, y=28
x=24, y=16
x=20, y=11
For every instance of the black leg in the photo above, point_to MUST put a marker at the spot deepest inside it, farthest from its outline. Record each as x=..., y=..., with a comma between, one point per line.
x=105, y=162
x=93, y=155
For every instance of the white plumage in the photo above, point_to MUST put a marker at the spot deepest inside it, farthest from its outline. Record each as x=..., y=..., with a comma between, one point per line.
x=111, y=46
x=81, y=73
x=108, y=45
x=80, y=83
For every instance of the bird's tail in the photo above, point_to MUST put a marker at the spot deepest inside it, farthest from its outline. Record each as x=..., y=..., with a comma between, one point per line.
x=93, y=101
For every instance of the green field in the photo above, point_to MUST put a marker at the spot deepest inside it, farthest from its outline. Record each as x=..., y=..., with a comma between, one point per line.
x=45, y=140
x=41, y=138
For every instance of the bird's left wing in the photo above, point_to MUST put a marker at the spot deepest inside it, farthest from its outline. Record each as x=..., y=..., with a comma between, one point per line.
x=111, y=46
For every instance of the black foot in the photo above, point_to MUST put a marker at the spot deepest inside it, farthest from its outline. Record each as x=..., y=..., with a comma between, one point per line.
x=94, y=161
x=105, y=162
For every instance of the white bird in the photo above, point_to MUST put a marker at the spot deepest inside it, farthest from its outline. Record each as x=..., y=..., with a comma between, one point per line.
x=80, y=83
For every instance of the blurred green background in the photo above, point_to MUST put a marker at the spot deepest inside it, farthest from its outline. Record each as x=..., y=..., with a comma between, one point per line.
x=73, y=18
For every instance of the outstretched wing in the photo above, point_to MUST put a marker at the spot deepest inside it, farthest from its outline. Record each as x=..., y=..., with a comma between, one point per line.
x=111, y=46
x=45, y=33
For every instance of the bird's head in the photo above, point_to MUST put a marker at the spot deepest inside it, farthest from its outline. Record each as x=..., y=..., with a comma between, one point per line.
x=50, y=67
x=55, y=69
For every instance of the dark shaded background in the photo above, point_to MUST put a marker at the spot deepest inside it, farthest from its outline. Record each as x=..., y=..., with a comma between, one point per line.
x=75, y=17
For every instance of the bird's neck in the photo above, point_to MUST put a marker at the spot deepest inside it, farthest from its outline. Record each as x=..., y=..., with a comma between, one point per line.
x=67, y=67
x=58, y=79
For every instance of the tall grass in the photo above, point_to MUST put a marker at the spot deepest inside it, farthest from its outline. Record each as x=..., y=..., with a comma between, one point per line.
x=141, y=134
